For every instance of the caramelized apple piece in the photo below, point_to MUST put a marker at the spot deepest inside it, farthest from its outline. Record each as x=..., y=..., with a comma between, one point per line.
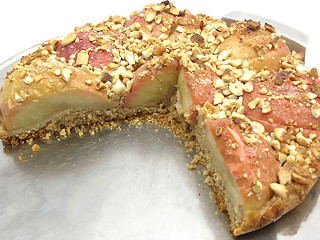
x=36, y=94
x=285, y=100
x=194, y=89
x=88, y=47
x=260, y=46
x=153, y=82
x=246, y=170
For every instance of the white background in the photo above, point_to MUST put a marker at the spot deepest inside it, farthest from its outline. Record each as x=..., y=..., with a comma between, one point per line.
x=26, y=23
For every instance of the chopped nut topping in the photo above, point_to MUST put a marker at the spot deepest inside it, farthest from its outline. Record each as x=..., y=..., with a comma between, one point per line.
x=252, y=105
x=236, y=88
x=89, y=82
x=280, y=133
x=315, y=110
x=28, y=80
x=106, y=78
x=150, y=15
x=18, y=98
x=315, y=88
x=82, y=58
x=269, y=27
x=118, y=87
x=196, y=38
x=279, y=189
x=158, y=7
x=247, y=75
x=314, y=73
x=173, y=10
x=224, y=54
x=284, y=176
x=257, y=127
x=66, y=74
x=69, y=39
x=253, y=25
x=218, y=98
x=248, y=87
x=257, y=187
x=266, y=107
x=303, y=140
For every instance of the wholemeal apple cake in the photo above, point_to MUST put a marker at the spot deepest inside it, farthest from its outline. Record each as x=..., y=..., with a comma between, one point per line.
x=247, y=99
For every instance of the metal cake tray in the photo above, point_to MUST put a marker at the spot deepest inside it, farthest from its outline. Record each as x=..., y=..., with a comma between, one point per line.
x=120, y=184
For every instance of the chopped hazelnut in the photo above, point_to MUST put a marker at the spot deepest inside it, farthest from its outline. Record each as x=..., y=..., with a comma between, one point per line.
x=69, y=39
x=279, y=189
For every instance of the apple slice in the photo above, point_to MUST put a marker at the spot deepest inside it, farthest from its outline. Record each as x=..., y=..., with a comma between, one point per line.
x=251, y=167
x=285, y=100
x=194, y=89
x=36, y=94
x=93, y=48
x=243, y=173
x=260, y=46
x=153, y=82
x=165, y=19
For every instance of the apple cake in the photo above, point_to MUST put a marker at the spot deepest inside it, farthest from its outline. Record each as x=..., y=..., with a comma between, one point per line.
x=247, y=99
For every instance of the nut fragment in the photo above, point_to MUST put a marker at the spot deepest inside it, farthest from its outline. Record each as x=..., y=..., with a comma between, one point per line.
x=158, y=7
x=66, y=74
x=150, y=15
x=269, y=27
x=106, y=78
x=253, y=25
x=118, y=87
x=218, y=98
x=197, y=38
x=18, y=98
x=257, y=187
x=248, y=87
x=174, y=11
x=28, y=80
x=257, y=127
x=82, y=58
x=236, y=88
x=279, y=189
x=315, y=88
x=315, y=110
x=284, y=176
x=302, y=140
x=68, y=39
x=280, y=133
x=266, y=107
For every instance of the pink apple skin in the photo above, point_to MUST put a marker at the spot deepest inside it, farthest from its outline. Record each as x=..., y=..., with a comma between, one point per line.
x=290, y=110
x=195, y=89
x=98, y=58
x=153, y=82
x=247, y=164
